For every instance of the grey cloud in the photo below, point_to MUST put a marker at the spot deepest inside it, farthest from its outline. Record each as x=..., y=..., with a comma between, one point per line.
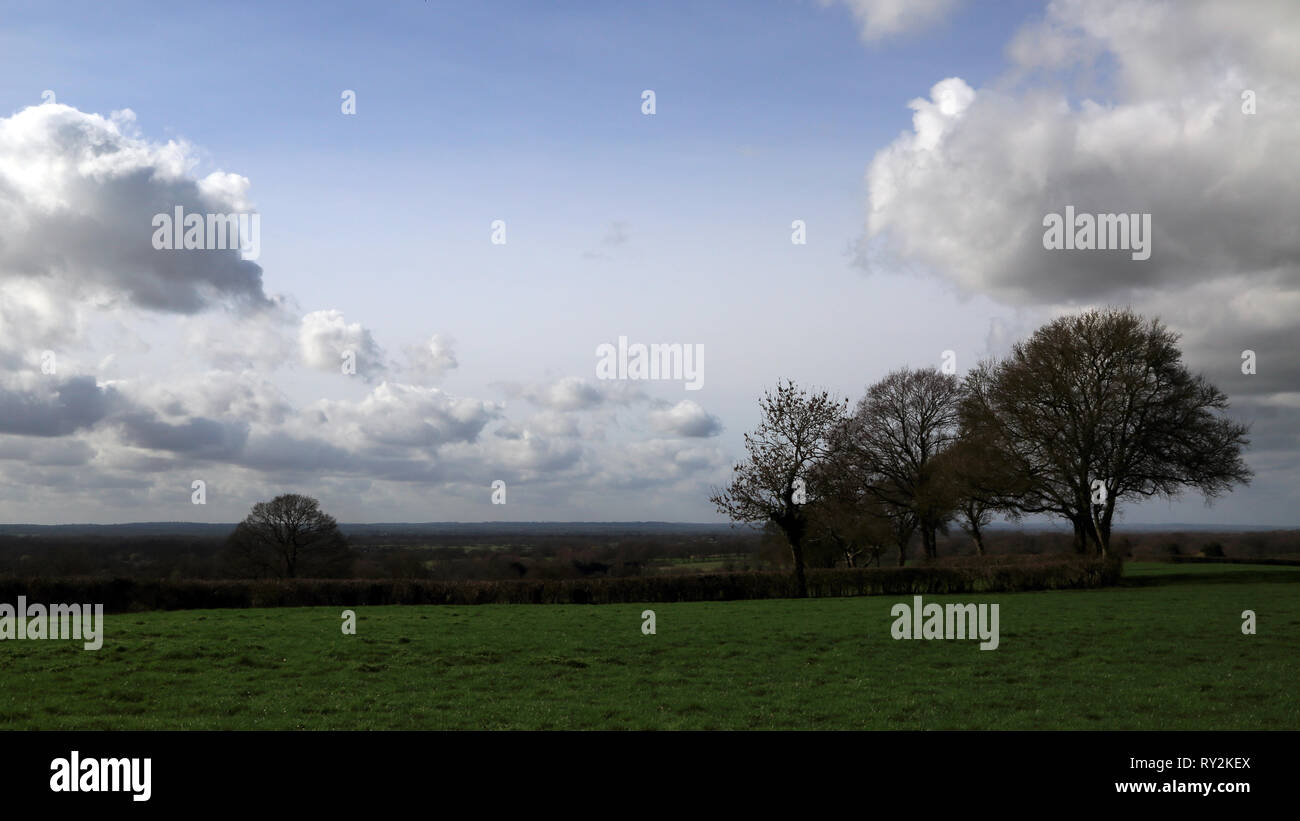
x=71, y=405
x=198, y=437
x=431, y=361
x=568, y=394
x=660, y=462
x=46, y=452
x=309, y=457
x=411, y=416
x=686, y=418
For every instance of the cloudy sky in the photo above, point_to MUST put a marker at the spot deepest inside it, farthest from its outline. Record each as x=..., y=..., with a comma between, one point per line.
x=920, y=143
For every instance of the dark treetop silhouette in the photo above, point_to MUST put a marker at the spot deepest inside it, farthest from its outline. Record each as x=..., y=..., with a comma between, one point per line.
x=289, y=537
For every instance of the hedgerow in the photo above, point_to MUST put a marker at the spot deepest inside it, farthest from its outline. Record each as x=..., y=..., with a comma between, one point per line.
x=993, y=575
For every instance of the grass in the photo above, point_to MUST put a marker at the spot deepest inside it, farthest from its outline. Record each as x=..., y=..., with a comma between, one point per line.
x=1163, y=651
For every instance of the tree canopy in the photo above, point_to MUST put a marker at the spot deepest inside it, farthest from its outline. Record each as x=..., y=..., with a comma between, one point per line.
x=1091, y=409
x=290, y=537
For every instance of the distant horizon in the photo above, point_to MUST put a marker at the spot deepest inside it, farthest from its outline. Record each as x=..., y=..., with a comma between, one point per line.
x=1049, y=525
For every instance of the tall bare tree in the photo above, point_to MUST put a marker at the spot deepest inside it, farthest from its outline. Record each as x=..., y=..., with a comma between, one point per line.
x=972, y=510
x=895, y=436
x=848, y=514
x=778, y=479
x=977, y=481
x=288, y=537
x=1097, y=407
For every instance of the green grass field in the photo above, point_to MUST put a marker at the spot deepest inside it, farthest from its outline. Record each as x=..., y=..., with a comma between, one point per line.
x=1164, y=651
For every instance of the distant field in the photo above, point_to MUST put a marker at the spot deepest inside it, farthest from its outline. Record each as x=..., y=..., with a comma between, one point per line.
x=1165, y=651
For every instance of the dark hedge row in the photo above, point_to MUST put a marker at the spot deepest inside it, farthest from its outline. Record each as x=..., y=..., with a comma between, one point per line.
x=1229, y=560
x=127, y=595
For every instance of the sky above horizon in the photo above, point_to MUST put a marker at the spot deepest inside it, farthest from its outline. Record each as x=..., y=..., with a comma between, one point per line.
x=919, y=143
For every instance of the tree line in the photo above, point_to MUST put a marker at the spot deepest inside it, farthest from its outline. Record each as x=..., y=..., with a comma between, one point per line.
x=1091, y=409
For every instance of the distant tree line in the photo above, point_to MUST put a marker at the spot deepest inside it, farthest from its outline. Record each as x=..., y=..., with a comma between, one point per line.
x=486, y=554
x=521, y=557
x=1091, y=409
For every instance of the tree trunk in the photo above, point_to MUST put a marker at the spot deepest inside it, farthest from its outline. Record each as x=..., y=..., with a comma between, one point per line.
x=1106, y=518
x=1080, y=534
x=1099, y=539
x=927, y=542
x=793, y=526
x=903, y=533
x=797, y=549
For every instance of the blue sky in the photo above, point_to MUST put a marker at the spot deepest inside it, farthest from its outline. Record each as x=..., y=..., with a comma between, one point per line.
x=666, y=228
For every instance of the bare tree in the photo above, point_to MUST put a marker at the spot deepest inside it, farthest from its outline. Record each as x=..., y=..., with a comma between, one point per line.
x=972, y=510
x=856, y=527
x=977, y=481
x=778, y=479
x=288, y=537
x=847, y=514
x=895, y=436
x=902, y=526
x=1096, y=407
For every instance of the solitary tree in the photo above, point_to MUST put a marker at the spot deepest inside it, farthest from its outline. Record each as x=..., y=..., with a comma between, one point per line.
x=288, y=537
x=777, y=481
x=1096, y=407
